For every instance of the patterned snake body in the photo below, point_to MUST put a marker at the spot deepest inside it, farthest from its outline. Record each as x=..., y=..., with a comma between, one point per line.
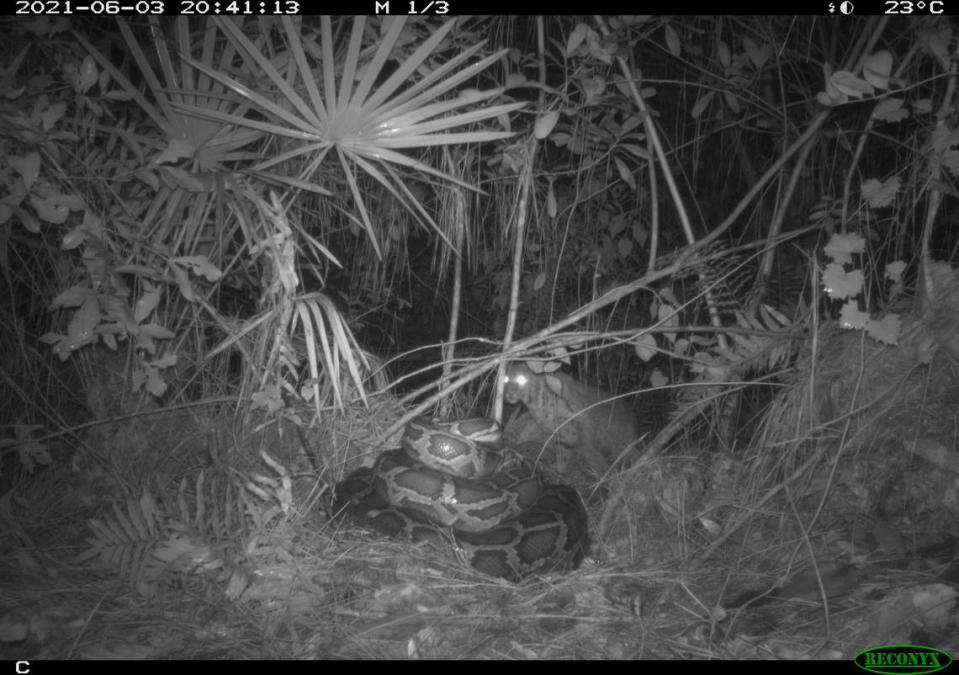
x=505, y=524
x=466, y=448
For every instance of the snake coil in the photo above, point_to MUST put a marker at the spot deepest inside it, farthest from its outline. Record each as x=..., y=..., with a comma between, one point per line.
x=453, y=478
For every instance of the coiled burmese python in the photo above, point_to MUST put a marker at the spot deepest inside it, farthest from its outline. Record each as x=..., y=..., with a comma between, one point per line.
x=452, y=476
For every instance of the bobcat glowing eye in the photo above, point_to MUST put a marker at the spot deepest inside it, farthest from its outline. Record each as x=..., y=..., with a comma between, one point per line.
x=520, y=380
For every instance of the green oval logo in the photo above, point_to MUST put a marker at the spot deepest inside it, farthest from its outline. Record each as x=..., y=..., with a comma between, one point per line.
x=898, y=659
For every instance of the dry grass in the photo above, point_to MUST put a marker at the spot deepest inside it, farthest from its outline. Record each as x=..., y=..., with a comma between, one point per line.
x=834, y=458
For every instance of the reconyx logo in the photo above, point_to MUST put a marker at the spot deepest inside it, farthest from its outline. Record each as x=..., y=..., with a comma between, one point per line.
x=900, y=659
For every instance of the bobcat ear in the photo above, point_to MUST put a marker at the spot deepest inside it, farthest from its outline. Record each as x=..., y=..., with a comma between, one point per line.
x=554, y=384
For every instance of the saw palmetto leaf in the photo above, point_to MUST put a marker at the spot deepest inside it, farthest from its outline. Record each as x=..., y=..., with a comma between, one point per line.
x=364, y=118
x=189, y=149
x=212, y=143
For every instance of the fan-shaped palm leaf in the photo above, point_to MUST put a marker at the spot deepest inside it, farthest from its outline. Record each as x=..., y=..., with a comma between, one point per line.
x=366, y=125
x=191, y=148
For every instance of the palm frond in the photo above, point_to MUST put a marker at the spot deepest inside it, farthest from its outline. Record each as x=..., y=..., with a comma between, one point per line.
x=366, y=125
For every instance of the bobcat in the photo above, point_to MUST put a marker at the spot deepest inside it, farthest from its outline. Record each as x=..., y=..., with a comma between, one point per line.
x=584, y=418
